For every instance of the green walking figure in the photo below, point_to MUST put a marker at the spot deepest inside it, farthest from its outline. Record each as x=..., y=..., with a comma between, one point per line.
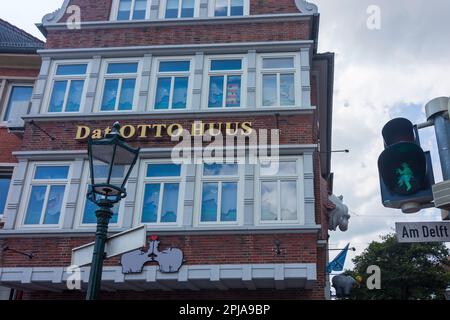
x=406, y=176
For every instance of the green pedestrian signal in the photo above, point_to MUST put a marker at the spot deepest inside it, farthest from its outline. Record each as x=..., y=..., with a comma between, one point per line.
x=406, y=174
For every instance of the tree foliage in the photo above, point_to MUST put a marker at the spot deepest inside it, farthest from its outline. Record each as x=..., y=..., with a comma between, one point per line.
x=409, y=271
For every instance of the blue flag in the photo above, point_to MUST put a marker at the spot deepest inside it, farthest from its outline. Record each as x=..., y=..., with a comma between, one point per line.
x=338, y=263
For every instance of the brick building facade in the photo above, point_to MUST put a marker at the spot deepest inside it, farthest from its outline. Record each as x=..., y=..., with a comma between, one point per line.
x=246, y=230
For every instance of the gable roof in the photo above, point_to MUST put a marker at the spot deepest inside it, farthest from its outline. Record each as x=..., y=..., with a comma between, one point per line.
x=15, y=40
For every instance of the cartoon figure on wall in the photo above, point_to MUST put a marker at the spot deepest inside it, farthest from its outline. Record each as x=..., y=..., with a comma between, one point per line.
x=169, y=260
x=338, y=215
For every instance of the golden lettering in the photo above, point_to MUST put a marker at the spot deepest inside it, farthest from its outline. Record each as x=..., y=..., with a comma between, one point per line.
x=97, y=134
x=228, y=129
x=175, y=132
x=198, y=129
x=143, y=129
x=247, y=127
x=131, y=131
x=158, y=128
x=83, y=132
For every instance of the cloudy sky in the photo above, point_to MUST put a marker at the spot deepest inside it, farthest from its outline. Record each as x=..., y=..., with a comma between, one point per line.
x=380, y=74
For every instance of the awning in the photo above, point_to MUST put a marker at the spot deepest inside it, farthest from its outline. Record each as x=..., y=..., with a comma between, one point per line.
x=190, y=277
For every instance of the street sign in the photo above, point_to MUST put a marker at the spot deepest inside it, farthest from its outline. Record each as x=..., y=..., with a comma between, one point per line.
x=116, y=245
x=409, y=232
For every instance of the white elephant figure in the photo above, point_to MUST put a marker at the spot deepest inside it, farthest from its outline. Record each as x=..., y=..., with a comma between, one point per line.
x=339, y=216
x=170, y=260
x=343, y=285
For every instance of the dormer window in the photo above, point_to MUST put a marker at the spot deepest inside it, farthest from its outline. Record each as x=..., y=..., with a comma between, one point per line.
x=131, y=10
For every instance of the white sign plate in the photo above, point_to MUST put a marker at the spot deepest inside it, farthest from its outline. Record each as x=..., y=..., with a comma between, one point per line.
x=116, y=245
x=409, y=232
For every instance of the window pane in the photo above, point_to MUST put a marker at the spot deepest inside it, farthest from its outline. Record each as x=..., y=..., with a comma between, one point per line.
x=269, y=201
x=124, y=10
x=75, y=92
x=19, y=98
x=102, y=171
x=216, y=92
x=237, y=7
x=187, y=9
x=163, y=93
x=71, y=69
x=269, y=90
x=163, y=170
x=110, y=95
x=35, y=204
x=51, y=172
x=140, y=7
x=209, y=202
x=122, y=68
x=151, y=202
x=127, y=94
x=4, y=189
x=171, y=66
x=89, y=213
x=172, y=9
x=220, y=169
x=287, y=95
x=170, y=202
x=54, y=205
x=234, y=91
x=279, y=168
x=180, y=93
x=229, y=202
x=288, y=200
x=226, y=65
x=58, y=94
x=277, y=63
x=221, y=8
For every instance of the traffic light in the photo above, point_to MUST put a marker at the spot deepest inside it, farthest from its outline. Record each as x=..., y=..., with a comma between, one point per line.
x=406, y=172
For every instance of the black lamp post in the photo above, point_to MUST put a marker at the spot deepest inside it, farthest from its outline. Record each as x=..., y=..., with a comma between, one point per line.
x=111, y=151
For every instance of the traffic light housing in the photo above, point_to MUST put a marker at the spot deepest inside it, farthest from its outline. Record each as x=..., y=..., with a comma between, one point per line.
x=406, y=172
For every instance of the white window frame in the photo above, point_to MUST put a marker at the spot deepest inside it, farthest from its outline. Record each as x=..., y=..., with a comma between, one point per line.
x=115, y=11
x=30, y=182
x=156, y=74
x=162, y=10
x=297, y=79
x=299, y=178
x=9, y=86
x=208, y=73
x=104, y=76
x=53, y=77
x=212, y=9
x=143, y=180
x=9, y=167
x=84, y=185
x=239, y=179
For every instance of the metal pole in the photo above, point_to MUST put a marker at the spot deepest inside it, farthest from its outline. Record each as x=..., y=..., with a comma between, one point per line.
x=104, y=214
x=442, y=128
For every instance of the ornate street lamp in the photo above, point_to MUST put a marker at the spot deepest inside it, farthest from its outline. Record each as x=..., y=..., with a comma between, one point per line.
x=113, y=152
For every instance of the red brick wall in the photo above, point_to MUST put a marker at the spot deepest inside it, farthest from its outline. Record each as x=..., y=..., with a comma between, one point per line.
x=10, y=72
x=293, y=130
x=8, y=143
x=99, y=10
x=175, y=35
x=198, y=249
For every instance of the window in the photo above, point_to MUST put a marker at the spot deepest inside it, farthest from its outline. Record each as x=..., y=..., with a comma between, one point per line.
x=5, y=182
x=162, y=202
x=219, y=193
x=225, y=83
x=19, y=97
x=172, y=85
x=279, y=191
x=132, y=9
x=279, y=82
x=119, y=91
x=224, y=8
x=46, y=195
x=101, y=173
x=178, y=9
x=68, y=87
